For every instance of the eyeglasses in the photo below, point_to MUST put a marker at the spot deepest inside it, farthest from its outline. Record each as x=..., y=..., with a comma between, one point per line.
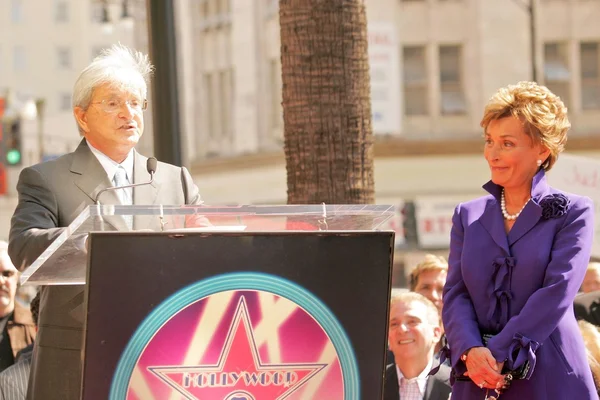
x=114, y=105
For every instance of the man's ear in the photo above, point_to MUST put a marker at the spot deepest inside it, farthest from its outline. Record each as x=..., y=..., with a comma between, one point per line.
x=81, y=118
x=437, y=334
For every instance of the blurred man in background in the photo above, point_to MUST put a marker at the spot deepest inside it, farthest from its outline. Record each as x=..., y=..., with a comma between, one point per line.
x=429, y=277
x=14, y=379
x=591, y=281
x=16, y=323
x=414, y=331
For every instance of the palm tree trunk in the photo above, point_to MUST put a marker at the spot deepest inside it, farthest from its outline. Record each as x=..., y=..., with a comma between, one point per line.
x=326, y=101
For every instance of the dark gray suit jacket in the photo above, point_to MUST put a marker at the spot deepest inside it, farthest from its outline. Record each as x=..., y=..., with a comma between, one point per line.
x=51, y=195
x=437, y=388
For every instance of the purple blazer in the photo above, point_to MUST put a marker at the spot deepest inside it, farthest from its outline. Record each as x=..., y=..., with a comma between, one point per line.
x=521, y=287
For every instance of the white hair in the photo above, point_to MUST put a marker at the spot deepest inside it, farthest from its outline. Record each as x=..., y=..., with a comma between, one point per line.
x=117, y=66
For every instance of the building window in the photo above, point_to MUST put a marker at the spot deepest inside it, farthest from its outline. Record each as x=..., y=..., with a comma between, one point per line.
x=205, y=10
x=415, y=81
x=97, y=12
x=271, y=8
x=452, y=93
x=590, y=76
x=225, y=96
x=556, y=69
x=222, y=12
x=16, y=8
x=19, y=60
x=64, y=101
x=209, y=105
x=63, y=55
x=61, y=11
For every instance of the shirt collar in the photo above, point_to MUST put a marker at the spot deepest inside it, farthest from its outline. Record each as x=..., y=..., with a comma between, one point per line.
x=110, y=165
x=538, y=186
x=421, y=379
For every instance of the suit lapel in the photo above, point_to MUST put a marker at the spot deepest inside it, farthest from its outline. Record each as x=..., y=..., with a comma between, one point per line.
x=530, y=216
x=145, y=194
x=432, y=390
x=90, y=177
x=492, y=221
x=391, y=390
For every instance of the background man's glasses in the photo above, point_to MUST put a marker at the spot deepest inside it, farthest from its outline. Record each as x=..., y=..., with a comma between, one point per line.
x=113, y=106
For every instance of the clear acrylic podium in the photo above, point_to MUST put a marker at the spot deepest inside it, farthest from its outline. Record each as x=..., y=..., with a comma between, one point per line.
x=64, y=261
x=303, y=290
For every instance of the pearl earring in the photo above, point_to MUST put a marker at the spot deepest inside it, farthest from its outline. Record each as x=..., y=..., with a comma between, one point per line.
x=539, y=163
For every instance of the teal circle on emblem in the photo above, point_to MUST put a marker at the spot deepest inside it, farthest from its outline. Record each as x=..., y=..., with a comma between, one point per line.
x=238, y=281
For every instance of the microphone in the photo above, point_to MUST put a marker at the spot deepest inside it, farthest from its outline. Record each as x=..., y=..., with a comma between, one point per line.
x=150, y=167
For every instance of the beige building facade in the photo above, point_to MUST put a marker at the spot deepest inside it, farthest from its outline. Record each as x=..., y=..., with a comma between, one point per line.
x=434, y=65
x=451, y=56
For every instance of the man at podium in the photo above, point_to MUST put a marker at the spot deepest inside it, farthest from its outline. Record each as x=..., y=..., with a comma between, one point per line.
x=109, y=98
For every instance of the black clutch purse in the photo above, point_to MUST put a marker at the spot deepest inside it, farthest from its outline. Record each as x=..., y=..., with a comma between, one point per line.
x=519, y=373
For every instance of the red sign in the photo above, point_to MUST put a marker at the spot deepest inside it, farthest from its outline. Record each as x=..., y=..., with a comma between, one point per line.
x=3, y=187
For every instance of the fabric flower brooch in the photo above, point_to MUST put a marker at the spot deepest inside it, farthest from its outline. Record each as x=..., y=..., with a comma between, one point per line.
x=554, y=206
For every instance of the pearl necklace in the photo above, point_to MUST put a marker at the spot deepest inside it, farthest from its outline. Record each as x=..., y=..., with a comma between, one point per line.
x=505, y=213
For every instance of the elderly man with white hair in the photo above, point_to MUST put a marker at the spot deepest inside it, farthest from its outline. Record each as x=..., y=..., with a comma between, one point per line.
x=109, y=99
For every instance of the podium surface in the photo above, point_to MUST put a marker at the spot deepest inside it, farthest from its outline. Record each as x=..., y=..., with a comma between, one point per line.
x=65, y=260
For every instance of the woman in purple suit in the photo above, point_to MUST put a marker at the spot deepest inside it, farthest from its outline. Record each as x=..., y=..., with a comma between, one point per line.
x=517, y=259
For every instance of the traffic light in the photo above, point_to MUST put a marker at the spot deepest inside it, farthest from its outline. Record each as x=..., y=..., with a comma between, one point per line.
x=12, y=142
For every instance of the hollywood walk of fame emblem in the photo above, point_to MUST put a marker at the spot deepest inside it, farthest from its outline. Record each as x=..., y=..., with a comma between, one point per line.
x=241, y=336
x=240, y=373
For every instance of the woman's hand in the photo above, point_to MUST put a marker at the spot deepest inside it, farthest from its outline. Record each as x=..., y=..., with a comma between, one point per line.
x=483, y=369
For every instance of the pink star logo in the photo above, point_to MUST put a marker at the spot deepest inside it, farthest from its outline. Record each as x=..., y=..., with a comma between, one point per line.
x=239, y=374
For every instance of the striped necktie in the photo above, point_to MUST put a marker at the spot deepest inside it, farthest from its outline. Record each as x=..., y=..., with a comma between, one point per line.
x=120, y=179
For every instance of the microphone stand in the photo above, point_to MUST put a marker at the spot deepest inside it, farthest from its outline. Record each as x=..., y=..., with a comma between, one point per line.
x=150, y=167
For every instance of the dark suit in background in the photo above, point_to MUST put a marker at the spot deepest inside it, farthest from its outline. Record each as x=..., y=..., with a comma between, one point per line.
x=13, y=380
x=437, y=388
x=587, y=307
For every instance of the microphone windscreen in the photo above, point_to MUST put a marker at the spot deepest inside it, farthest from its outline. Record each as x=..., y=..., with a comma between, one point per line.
x=151, y=165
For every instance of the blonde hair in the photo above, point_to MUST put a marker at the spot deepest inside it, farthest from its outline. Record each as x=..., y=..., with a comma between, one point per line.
x=543, y=114
x=433, y=316
x=591, y=339
x=430, y=263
